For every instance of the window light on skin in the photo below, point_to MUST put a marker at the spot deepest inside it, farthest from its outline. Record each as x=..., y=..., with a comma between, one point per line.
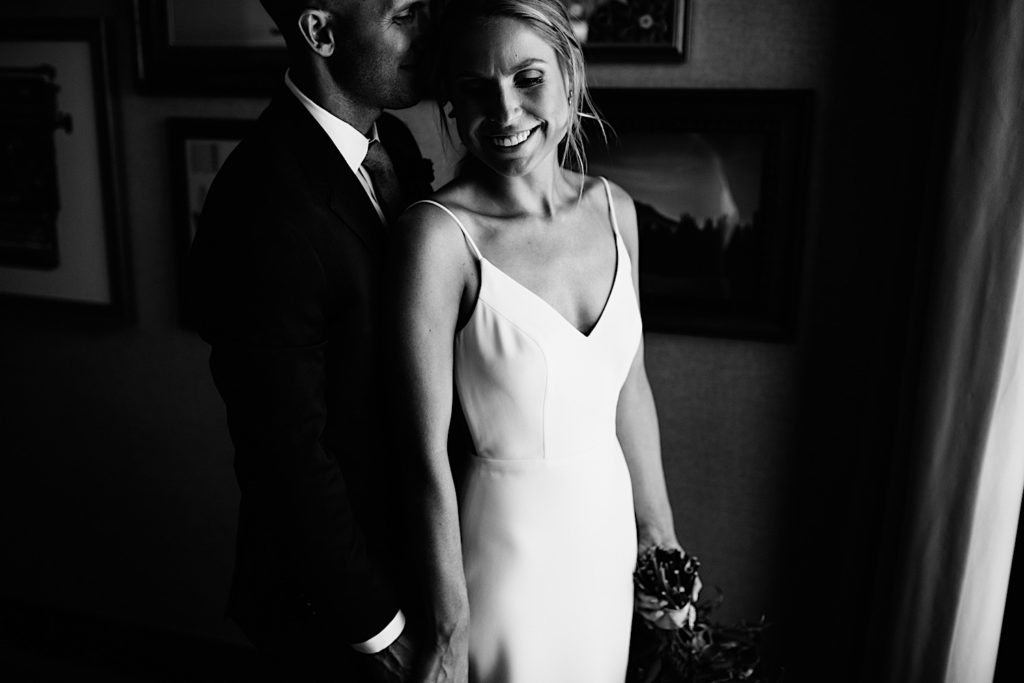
x=509, y=96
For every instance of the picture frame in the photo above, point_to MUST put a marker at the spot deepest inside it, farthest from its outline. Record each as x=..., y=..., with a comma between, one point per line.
x=61, y=211
x=197, y=47
x=232, y=48
x=718, y=178
x=631, y=30
x=198, y=148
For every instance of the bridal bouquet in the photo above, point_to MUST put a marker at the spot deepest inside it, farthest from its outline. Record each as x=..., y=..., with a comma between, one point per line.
x=699, y=650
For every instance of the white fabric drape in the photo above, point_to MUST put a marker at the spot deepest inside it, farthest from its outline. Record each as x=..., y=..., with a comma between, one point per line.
x=970, y=403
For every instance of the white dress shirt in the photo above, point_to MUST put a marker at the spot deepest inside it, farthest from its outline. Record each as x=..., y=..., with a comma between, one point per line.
x=350, y=142
x=353, y=145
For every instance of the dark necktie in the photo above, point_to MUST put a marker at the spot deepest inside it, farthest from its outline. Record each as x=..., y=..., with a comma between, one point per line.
x=385, y=183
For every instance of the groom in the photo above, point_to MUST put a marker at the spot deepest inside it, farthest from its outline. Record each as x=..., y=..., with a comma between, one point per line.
x=287, y=289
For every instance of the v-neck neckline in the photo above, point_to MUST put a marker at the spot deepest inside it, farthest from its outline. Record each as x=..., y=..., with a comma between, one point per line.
x=604, y=309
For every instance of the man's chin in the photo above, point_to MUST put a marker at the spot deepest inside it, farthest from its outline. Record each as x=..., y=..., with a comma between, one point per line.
x=410, y=88
x=404, y=100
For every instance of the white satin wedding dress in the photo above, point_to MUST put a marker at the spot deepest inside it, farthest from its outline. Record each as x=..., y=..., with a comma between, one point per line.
x=546, y=508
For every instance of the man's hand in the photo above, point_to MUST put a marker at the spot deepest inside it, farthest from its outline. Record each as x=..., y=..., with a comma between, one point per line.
x=393, y=664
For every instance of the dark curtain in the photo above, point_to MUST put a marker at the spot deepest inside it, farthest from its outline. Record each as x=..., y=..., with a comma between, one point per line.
x=956, y=512
x=910, y=479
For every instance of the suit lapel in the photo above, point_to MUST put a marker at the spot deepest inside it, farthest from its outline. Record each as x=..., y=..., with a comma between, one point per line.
x=324, y=166
x=349, y=202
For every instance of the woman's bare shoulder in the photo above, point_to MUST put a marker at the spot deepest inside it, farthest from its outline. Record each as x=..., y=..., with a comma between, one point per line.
x=622, y=203
x=619, y=195
x=426, y=231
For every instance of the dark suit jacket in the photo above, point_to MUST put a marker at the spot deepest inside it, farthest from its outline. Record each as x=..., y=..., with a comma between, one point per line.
x=287, y=288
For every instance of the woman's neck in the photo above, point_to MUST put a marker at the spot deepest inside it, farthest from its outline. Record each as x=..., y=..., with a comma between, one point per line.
x=541, y=193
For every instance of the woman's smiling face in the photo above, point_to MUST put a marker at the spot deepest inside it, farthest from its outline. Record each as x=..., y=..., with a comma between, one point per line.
x=509, y=93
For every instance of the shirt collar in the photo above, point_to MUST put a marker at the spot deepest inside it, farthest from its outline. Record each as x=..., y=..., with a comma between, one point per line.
x=350, y=142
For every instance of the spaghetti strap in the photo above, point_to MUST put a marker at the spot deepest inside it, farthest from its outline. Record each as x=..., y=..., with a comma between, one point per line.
x=465, y=233
x=611, y=204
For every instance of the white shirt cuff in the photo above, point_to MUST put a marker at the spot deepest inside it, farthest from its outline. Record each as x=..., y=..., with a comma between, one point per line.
x=383, y=639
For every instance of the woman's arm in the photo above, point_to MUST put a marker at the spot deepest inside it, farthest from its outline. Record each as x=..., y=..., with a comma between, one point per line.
x=433, y=270
x=637, y=428
x=637, y=421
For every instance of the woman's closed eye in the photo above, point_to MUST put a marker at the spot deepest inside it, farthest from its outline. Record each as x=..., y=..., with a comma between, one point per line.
x=529, y=79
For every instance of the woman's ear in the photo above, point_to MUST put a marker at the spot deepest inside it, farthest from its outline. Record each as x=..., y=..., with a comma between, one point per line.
x=315, y=28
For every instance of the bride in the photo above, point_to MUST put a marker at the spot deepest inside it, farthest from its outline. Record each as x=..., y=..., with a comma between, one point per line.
x=517, y=295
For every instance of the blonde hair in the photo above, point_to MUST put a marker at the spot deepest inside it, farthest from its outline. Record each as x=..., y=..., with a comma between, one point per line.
x=549, y=19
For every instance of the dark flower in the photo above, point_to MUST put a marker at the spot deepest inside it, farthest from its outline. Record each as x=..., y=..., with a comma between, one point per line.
x=669, y=574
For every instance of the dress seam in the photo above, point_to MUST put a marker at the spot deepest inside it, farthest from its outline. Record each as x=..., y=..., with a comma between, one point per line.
x=480, y=299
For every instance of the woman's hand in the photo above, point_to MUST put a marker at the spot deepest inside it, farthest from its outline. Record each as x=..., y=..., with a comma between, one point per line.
x=660, y=614
x=657, y=610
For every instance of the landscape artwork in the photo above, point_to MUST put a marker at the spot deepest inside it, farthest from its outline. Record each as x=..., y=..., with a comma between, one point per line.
x=716, y=180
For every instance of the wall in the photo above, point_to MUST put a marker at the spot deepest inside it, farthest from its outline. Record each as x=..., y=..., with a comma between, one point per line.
x=117, y=485
x=729, y=410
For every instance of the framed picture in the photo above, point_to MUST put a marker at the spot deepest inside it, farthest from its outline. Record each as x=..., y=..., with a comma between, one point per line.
x=718, y=179
x=631, y=30
x=231, y=47
x=60, y=205
x=198, y=150
x=228, y=47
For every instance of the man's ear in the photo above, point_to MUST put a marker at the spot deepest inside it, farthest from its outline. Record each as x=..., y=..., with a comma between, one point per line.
x=315, y=28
